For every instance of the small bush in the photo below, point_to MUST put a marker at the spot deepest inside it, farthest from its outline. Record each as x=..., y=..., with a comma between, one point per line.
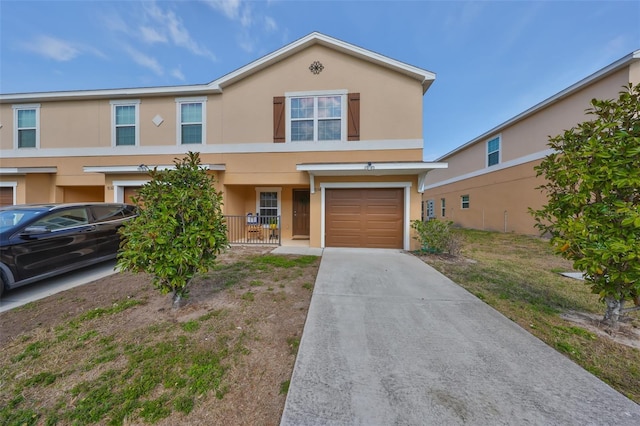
x=435, y=236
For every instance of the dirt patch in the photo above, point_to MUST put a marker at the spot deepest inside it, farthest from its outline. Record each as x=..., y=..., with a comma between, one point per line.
x=264, y=309
x=626, y=333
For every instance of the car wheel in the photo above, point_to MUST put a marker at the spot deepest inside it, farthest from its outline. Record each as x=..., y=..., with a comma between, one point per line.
x=2, y=281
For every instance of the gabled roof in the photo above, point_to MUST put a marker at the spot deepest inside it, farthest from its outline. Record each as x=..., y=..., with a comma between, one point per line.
x=596, y=76
x=425, y=77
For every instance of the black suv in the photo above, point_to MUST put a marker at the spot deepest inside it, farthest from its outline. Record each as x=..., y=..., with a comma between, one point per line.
x=41, y=240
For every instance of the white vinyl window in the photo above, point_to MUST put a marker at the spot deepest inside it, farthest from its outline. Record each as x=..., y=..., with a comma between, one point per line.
x=443, y=205
x=428, y=212
x=191, y=118
x=125, y=118
x=493, y=151
x=268, y=204
x=26, y=126
x=464, y=201
x=316, y=116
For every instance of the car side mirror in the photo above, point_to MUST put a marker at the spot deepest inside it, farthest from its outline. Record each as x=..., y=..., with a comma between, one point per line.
x=34, y=230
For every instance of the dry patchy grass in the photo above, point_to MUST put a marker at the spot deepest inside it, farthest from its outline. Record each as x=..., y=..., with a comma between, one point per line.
x=114, y=352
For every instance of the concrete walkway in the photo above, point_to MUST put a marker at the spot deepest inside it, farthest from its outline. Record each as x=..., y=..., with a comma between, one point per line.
x=390, y=341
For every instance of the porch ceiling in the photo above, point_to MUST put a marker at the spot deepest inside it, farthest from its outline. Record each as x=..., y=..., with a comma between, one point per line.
x=369, y=168
x=26, y=170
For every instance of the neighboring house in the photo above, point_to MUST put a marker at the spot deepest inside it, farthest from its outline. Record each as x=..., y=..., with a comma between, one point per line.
x=490, y=182
x=324, y=134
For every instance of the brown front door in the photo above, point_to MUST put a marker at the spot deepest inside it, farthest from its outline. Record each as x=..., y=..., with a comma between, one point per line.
x=301, y=212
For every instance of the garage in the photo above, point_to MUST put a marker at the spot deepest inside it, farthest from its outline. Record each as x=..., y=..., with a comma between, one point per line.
x=129, y=192
x=364, y=217
x=6, y=196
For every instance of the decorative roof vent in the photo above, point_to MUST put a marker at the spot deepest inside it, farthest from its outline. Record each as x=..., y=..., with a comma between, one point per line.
x=316, y=67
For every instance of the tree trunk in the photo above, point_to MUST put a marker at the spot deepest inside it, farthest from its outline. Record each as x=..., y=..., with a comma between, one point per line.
x=614, y=309
x=177, y=300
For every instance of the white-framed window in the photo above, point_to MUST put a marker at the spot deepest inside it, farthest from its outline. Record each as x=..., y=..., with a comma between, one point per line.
x=125, y=119
x=493, y=151
x=26, y=126
x=316, y=116
x=268, y=202
x=443, y=205
x=464, y=201
x=192, y=120
x=429, y=211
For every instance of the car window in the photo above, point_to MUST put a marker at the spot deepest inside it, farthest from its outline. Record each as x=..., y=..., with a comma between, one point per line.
x=111, y=212
x=105, y=213
x=10, y=219
x=64, y=219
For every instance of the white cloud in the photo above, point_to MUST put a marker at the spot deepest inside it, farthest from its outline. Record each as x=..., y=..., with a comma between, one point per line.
x=177, y=73
x=230, y=8
x=151, y=35
x=58, y=49
x=270, y=24
x=144, y=60
x=169, y=26
x=235, y=10
x=53, y=48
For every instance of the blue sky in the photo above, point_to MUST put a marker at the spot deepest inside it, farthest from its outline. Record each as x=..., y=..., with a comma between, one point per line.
x=493, y=59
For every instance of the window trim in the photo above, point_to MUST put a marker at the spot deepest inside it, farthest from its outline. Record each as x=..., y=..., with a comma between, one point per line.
x=316, y=94
x=23, y=107
x=463, y=202
x=443, y=206
x=191, y=100
x=125, y=102
x=499, y=150
x=276, y=189
x=14, y=186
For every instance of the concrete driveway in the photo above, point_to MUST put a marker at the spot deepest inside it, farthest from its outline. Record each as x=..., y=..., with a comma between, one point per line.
x=390, y=341
x=41, y=289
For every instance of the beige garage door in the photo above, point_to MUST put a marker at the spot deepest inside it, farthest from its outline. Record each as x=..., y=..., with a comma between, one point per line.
x=364, y=217
x=130, y=191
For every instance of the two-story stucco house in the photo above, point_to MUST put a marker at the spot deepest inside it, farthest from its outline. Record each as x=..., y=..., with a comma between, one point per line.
x=491, y=182
x=324, y=134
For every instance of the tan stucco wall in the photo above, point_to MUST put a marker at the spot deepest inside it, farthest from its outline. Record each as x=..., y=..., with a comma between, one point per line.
x=497, y=202
x=390, y=106
x=390, y=103
x=531, y=135
x=40, y=188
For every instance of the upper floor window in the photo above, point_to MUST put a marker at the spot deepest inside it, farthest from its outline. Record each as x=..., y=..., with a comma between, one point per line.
x=191, y=120
x=125, y=119
x=316, y=116
x=493, y=151
x=26, y=130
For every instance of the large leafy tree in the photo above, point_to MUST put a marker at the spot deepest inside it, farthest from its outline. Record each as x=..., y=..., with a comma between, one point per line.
x=180, y=229
x=593, y=199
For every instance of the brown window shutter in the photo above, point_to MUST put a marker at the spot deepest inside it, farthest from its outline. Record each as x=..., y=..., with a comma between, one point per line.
x=353, y=125
x=278, y=119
